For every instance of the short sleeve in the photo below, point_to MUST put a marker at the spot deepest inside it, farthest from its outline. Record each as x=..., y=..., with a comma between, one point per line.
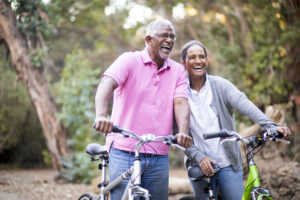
x=120, y=68
x=181, y=89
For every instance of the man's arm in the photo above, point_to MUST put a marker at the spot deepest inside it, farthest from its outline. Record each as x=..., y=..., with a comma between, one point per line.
x=182, y=116
x=103, y=96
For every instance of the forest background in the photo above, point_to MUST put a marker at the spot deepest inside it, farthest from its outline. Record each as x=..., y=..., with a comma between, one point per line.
x=53, y=52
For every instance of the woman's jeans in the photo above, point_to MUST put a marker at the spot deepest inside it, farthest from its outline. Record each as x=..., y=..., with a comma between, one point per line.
x=229, y=182
x=155, y=173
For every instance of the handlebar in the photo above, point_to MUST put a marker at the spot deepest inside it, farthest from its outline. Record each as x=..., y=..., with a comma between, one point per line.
x=226, y=135
x=146, y=138
x=222, y=134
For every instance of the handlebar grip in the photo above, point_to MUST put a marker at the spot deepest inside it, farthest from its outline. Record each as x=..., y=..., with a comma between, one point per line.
x=116, y=129
x=275, y=133
x=222, y=134
x=174, y=140
x=195, y=173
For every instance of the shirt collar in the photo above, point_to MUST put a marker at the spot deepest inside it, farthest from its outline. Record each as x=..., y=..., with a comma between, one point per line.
x=147, y=59
x=206, y=84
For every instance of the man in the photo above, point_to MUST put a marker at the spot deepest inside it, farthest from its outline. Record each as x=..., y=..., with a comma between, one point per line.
x=147, y=87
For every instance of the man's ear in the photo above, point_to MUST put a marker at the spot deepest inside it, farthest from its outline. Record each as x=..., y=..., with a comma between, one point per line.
x=148, y=39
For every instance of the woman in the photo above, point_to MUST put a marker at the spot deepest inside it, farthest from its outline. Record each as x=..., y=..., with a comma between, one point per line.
x=212, y=100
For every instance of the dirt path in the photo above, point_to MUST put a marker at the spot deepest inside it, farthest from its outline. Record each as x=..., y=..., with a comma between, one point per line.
x=40, y=184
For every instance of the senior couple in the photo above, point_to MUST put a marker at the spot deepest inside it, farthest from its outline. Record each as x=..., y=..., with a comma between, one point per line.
x=148, y=87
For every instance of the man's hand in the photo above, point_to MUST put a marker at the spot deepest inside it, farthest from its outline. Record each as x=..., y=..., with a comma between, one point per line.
x=205, y=165
x=183, y=140
x=285, y=131
x=103, y=124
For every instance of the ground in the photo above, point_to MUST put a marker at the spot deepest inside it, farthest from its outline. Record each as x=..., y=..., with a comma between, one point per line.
x=39, y=184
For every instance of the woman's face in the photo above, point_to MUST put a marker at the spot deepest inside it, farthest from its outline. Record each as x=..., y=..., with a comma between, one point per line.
x=196, y=61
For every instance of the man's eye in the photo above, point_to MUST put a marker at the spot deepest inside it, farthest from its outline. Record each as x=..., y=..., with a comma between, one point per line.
x=164, y=35
x=172, y=36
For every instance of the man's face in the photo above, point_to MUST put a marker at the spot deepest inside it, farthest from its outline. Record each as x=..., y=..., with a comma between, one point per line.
x=160, y=46
x=196, y=61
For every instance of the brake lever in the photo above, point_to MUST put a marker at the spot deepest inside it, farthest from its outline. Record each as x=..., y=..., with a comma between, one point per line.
x=281, y=140
x=119, y=134
x=231, y=139
x=172, y=141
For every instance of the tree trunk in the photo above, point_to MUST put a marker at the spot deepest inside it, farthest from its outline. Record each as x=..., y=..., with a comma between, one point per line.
x=36, y=85
x=246, y=41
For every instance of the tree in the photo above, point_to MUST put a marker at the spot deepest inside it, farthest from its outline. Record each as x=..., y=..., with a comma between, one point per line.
x=20, y=47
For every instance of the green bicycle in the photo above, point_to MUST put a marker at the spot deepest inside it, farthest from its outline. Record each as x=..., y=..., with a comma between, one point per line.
x=253, y=189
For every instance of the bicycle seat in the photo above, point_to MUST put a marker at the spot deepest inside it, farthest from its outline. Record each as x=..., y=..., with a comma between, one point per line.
x=195, y=173
x=95, y=149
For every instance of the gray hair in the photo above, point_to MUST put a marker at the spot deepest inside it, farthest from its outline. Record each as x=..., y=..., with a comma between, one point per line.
x=188, y=45
x=153, y=27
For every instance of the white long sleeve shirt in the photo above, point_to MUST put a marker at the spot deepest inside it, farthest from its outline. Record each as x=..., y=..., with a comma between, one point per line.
x=204, y=120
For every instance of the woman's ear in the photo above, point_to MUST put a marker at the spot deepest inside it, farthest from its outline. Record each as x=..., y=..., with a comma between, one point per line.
x=181, y=61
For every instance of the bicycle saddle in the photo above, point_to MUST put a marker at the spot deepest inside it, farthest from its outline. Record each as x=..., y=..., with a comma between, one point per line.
x=95, y=149
x=195, y=173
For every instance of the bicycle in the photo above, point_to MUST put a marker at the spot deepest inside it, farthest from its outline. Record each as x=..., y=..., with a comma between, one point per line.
x=253, y=189
x=98, y=153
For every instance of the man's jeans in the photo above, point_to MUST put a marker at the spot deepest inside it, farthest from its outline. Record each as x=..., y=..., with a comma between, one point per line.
x=155, y=173
x=230, y=184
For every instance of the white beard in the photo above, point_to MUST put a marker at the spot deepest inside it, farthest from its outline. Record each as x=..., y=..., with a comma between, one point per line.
x=163, y=55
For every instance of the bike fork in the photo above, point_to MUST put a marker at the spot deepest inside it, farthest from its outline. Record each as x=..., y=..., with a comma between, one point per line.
x=138, y=191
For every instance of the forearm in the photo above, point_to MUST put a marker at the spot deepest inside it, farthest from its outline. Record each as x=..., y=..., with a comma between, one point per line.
x=182, y=114
x=194, y=154
x=103, y=96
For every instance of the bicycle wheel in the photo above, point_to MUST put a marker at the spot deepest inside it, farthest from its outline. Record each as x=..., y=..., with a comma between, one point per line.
x=86, y=196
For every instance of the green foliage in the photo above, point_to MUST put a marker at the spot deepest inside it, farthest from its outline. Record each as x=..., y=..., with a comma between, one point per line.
x=32, y=17
x=18, y=121
x=47, y=158
x=76, y=99
x=255, y=53
x=78, y=168
x=37, y=56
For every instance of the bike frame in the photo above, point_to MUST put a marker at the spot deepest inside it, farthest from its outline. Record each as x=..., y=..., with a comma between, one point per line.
x=253, y=187
x=133, y=186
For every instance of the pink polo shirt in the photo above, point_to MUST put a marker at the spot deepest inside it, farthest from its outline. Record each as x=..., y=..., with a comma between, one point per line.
x=143, y=101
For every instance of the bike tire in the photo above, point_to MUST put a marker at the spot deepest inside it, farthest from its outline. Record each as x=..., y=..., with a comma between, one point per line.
x=86, y=196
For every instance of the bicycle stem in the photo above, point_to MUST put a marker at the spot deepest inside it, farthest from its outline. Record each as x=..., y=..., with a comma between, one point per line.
x=137, y=165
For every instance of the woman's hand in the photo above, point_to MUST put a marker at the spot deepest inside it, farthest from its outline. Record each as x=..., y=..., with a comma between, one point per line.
x=205, y=165
x=285, y=131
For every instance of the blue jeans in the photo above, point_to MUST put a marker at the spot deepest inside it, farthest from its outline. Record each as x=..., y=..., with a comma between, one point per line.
x=229, y=182
x=155, y=173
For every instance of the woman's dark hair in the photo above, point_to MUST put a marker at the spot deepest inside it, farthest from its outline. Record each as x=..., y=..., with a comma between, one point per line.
x=188, y=45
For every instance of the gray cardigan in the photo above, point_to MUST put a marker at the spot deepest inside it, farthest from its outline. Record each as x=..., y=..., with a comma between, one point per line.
x=226, y=98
